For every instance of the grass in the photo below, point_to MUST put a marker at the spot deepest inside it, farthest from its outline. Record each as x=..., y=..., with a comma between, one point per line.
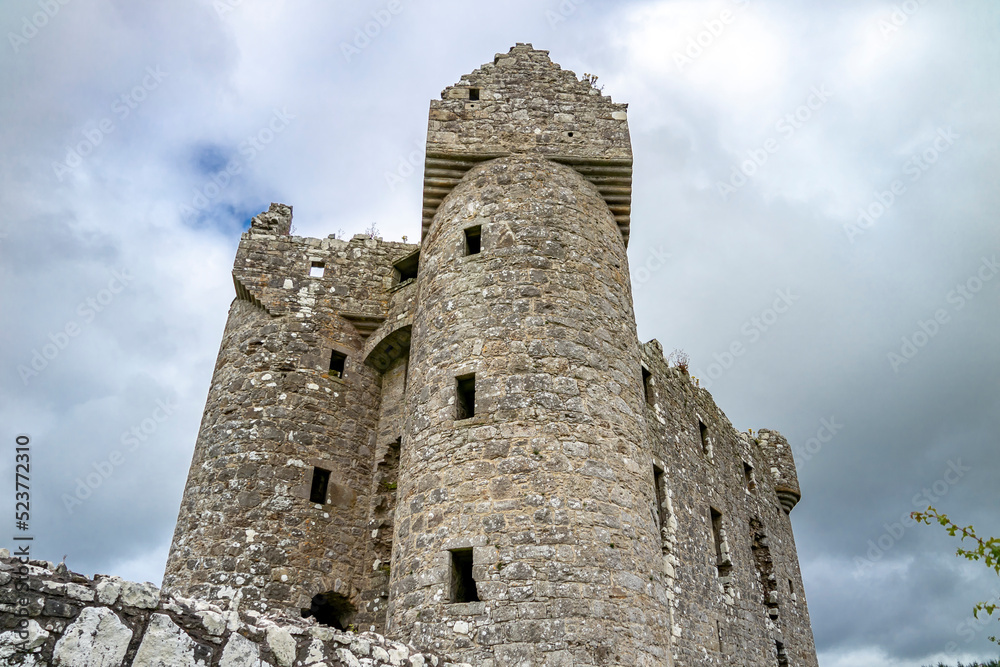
x=991, y=663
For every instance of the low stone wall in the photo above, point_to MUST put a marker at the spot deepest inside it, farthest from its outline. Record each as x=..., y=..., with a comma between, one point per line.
x=51, y=616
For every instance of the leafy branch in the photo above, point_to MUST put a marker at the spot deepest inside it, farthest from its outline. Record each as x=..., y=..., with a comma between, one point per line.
x=984, y=549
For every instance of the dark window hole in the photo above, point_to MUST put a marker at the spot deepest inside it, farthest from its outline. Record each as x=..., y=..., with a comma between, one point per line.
x=463, y=585
x=466, y=407
x=321, y=480
x=337, y=362
x=331, y=609
x=406, y=268
x=473, y=240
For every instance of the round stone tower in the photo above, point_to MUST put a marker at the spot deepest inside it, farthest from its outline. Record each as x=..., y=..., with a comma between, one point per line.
x=275, y=508
x=525, y=531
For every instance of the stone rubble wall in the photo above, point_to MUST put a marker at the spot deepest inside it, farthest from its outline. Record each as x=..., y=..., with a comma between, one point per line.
x=51, y=616
x=743, y=602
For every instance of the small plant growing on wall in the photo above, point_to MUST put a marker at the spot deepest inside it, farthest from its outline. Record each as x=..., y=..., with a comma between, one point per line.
x=679, y=359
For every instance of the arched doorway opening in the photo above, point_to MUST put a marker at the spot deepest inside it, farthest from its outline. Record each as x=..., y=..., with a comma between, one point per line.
x=332, y=609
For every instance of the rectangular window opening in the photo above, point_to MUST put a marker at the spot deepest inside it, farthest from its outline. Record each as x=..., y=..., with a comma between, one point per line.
x=463, y=584
x=748, y=476
x=466, y=403
x=661, y=510
x=406, y=268
x=791, y=587
x=320, y=482
x=705, y=445
x=645, y=385
x=473, y=94
x=717, y=532
x=473, y=237
x=718, y=537
x=316, y=269
x=337, y=362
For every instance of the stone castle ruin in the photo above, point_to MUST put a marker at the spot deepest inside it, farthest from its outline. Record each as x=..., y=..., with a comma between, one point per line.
x=461, y=443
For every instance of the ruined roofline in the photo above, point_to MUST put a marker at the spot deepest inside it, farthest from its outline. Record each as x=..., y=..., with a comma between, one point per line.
x=769, y=445
x=276, y=222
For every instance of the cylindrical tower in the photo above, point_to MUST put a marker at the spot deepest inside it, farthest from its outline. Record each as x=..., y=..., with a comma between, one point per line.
x=276, y=502
x=524, y=530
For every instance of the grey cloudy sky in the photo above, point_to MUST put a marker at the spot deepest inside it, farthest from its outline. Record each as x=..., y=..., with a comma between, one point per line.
x=761, y=131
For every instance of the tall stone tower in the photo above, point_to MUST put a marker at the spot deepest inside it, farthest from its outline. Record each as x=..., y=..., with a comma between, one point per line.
x=463, y=444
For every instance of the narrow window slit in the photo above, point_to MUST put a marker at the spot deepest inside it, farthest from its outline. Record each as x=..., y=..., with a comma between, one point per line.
x=751, y=483
x=722, y=560
x=473, y=240
x=463, y=584
x=320, y=482
x=648, y=391
x=466, y=403
x=661, y=510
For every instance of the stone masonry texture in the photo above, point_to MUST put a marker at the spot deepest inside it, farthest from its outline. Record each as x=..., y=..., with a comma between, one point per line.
x=462, y=444
x=68, y=620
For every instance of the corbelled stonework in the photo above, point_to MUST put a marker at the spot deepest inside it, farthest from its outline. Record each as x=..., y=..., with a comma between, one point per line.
x=464, y=445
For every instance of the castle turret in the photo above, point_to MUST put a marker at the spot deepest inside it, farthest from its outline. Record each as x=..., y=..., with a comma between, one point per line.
x=782, y=467
x=276, y=507
x=523, y=530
